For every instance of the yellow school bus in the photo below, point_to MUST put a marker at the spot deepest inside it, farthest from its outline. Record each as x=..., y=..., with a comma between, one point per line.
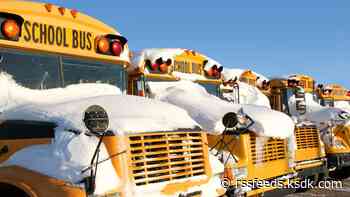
x=253, y=162
x=310, y=154
x=334, y=95
x=46, y=46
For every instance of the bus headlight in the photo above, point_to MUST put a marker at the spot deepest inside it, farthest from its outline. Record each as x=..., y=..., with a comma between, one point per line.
x=96, y=120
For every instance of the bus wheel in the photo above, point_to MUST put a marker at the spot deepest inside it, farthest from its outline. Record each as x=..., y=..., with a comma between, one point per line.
x=9, y=190
x=340, y=174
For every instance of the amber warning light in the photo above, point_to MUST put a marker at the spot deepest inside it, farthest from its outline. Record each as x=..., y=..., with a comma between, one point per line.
x=110, y=44
x=10, y=29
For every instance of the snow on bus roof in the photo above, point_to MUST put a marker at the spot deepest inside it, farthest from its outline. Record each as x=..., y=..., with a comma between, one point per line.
x=232, y=73
x=165, y=53
x=208, y=110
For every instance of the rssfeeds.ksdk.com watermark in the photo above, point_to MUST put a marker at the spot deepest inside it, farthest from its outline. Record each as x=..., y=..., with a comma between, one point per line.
x=283, y=184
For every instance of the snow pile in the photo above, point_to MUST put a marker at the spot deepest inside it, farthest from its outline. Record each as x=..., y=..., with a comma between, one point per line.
x=208, y=110
x=248, y=95
x=13, y=94
x=232, y=73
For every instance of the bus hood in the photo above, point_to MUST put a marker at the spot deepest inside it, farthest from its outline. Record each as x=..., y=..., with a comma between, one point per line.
x=208, y=110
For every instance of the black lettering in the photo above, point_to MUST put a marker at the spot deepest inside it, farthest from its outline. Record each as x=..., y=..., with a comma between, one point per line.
x=65, y=44
x=75, y=41
x=82, y=39
x=89, y=42
x=35, y=25
x=59, y=36
x=27, y=31
x=51, y=35
x=43, y=33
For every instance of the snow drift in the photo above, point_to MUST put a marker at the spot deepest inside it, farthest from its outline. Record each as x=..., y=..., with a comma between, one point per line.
x=208, y=110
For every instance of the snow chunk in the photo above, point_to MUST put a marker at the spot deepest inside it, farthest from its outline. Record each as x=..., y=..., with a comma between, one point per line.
x=208, y=110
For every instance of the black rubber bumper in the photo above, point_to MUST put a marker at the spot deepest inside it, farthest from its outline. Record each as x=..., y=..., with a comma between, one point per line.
x=313, y=171
x=339, y=161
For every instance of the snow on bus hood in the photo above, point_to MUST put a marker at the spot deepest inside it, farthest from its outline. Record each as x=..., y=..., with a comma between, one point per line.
x=248, y=95
x=208, y=110
x=345, y=105
x=315, y=112
x=126, y=114
x=13, y=94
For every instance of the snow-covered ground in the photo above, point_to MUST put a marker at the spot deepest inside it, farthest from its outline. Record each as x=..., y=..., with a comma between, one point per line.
x=208, y=110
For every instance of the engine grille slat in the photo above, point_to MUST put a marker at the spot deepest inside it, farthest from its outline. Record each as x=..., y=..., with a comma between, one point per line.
x=270, y=150
x=159, y=157
x=307, y=137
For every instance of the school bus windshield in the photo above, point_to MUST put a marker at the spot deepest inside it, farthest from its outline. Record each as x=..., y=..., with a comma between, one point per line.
x=43, y=71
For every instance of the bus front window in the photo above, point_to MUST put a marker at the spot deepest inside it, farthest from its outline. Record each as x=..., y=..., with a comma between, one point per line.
x=86, y=71
x=31, y=70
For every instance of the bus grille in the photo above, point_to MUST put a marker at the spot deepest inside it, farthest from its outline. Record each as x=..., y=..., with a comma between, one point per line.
x=159, y=157
x=307, y=137
x=269, y=150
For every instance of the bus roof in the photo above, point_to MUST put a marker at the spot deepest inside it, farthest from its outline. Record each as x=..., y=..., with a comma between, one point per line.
x=71, y=32
x=183, y=63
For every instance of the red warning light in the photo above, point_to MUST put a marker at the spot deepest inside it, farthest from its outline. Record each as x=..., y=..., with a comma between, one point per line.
x=117, y=48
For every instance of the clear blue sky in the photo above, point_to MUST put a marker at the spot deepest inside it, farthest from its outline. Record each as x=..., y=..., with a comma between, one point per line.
x=271, y=37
